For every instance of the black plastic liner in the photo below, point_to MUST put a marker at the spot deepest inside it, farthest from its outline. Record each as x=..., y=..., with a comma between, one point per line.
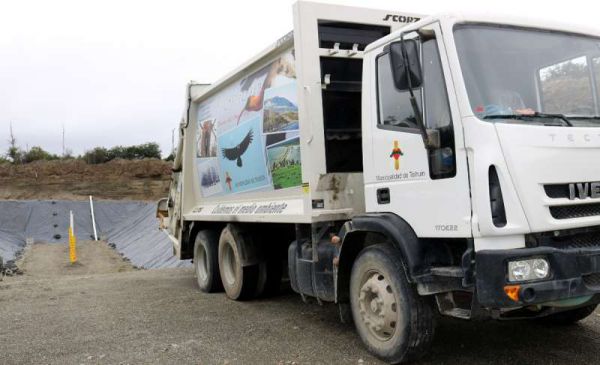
x=130, y=226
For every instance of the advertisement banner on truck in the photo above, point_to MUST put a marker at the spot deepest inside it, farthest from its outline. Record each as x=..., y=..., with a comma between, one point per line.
x=240, y=128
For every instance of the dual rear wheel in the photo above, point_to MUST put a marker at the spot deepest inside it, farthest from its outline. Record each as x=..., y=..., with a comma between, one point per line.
x=232, y=262
x=206, y=262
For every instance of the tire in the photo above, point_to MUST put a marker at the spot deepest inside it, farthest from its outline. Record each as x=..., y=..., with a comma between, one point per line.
x=240, y=282
x=378, y=284
x=206, y=262
x=570, y=316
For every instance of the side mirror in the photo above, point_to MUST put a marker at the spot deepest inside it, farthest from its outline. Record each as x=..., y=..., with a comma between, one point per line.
x=406, y=64
x=162, y=208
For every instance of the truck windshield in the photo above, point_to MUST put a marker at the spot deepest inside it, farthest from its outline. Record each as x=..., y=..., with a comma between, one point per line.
x=522, y=75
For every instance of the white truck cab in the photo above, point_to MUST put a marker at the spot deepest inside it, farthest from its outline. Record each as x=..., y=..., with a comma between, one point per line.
x=400, y=165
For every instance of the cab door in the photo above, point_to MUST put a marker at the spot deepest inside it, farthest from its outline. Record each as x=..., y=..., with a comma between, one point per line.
x=427, y=188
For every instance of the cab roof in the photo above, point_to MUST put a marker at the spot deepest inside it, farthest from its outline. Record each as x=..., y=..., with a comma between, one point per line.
x=482, y=18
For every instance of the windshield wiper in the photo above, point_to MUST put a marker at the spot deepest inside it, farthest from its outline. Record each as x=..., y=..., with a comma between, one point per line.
x=530, y=116
x=579, y=117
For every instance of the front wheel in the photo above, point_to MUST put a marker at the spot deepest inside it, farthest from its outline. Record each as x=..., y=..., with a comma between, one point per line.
x=394, y=322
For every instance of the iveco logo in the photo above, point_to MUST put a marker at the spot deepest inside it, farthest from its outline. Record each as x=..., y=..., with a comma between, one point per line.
x=584, y=190
x=400, y=18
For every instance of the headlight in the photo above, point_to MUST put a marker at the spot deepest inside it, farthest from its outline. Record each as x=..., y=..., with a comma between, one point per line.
x=541, y=269
x=525, y=270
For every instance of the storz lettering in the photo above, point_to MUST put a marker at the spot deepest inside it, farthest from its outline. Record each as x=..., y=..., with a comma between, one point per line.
x=401, y=18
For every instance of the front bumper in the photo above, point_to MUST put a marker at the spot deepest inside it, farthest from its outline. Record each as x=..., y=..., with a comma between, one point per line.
x=573, y=274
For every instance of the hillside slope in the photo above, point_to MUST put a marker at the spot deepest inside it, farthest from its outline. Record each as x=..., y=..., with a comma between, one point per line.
x=146, y=179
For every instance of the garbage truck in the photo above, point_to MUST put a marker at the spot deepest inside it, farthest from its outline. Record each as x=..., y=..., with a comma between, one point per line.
x=403, y=167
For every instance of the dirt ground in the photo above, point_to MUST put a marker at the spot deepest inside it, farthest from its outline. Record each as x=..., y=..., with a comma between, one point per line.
x=45, y=261
x=75, y=180
x=104, y=312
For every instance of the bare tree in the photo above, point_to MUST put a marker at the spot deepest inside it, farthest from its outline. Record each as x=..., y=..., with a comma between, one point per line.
x=14, y=152
x=68, y=153
x=12, y=141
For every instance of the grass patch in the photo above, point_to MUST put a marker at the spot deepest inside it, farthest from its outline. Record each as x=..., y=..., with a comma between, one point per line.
x=287, y=177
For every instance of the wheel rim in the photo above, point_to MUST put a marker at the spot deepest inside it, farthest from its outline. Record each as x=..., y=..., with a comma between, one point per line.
x=378, y=306
x=201, y=264
x=229, y=265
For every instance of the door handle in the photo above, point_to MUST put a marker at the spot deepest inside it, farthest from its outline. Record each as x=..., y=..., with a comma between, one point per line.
x=383, y=196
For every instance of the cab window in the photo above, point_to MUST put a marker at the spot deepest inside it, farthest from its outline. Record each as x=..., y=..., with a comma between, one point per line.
x=442, y=162
x=394, y=106
x=395, y=111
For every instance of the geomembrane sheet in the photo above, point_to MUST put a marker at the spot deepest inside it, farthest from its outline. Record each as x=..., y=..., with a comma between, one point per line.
x=130, y=225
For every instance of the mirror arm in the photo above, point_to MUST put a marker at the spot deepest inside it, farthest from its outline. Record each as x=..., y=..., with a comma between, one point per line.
x=415, y=106
x=413, y=100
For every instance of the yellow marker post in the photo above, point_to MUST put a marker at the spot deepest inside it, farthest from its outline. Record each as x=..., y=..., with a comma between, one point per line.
x=72, y=241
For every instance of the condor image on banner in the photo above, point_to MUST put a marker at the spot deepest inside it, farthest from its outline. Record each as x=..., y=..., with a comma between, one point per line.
x=242, y=158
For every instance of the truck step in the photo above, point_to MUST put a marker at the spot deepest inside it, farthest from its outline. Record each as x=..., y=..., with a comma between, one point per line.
x=449, y=271
x=458, y=313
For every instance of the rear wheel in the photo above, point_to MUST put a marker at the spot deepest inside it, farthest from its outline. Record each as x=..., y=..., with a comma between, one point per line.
x=206, y=262
x=240, y=282
x=394, y=322
x=570, y=316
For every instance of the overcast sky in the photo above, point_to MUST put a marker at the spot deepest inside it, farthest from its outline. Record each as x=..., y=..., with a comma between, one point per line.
x=114, y=72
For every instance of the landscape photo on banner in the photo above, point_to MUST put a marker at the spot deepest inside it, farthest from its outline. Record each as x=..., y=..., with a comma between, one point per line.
x=280, y=109
x=284, y=163
x=210, y=179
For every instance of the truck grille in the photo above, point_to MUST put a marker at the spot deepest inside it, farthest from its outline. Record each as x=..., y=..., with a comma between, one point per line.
x=592, y=281
x=557, y=191
x=575, y=211
x=585, y=240
x=576, y=239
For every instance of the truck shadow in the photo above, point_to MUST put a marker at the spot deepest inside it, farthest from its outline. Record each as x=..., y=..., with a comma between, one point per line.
x=500, y=342
x=520, y=342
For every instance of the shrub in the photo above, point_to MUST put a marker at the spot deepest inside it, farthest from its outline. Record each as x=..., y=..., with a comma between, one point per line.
x=170, y=157
x=15, y=154
x=137, y=152
x=96, y=156
x=37, y=153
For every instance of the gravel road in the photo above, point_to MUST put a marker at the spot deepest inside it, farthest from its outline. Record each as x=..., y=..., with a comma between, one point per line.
x=104, y=312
